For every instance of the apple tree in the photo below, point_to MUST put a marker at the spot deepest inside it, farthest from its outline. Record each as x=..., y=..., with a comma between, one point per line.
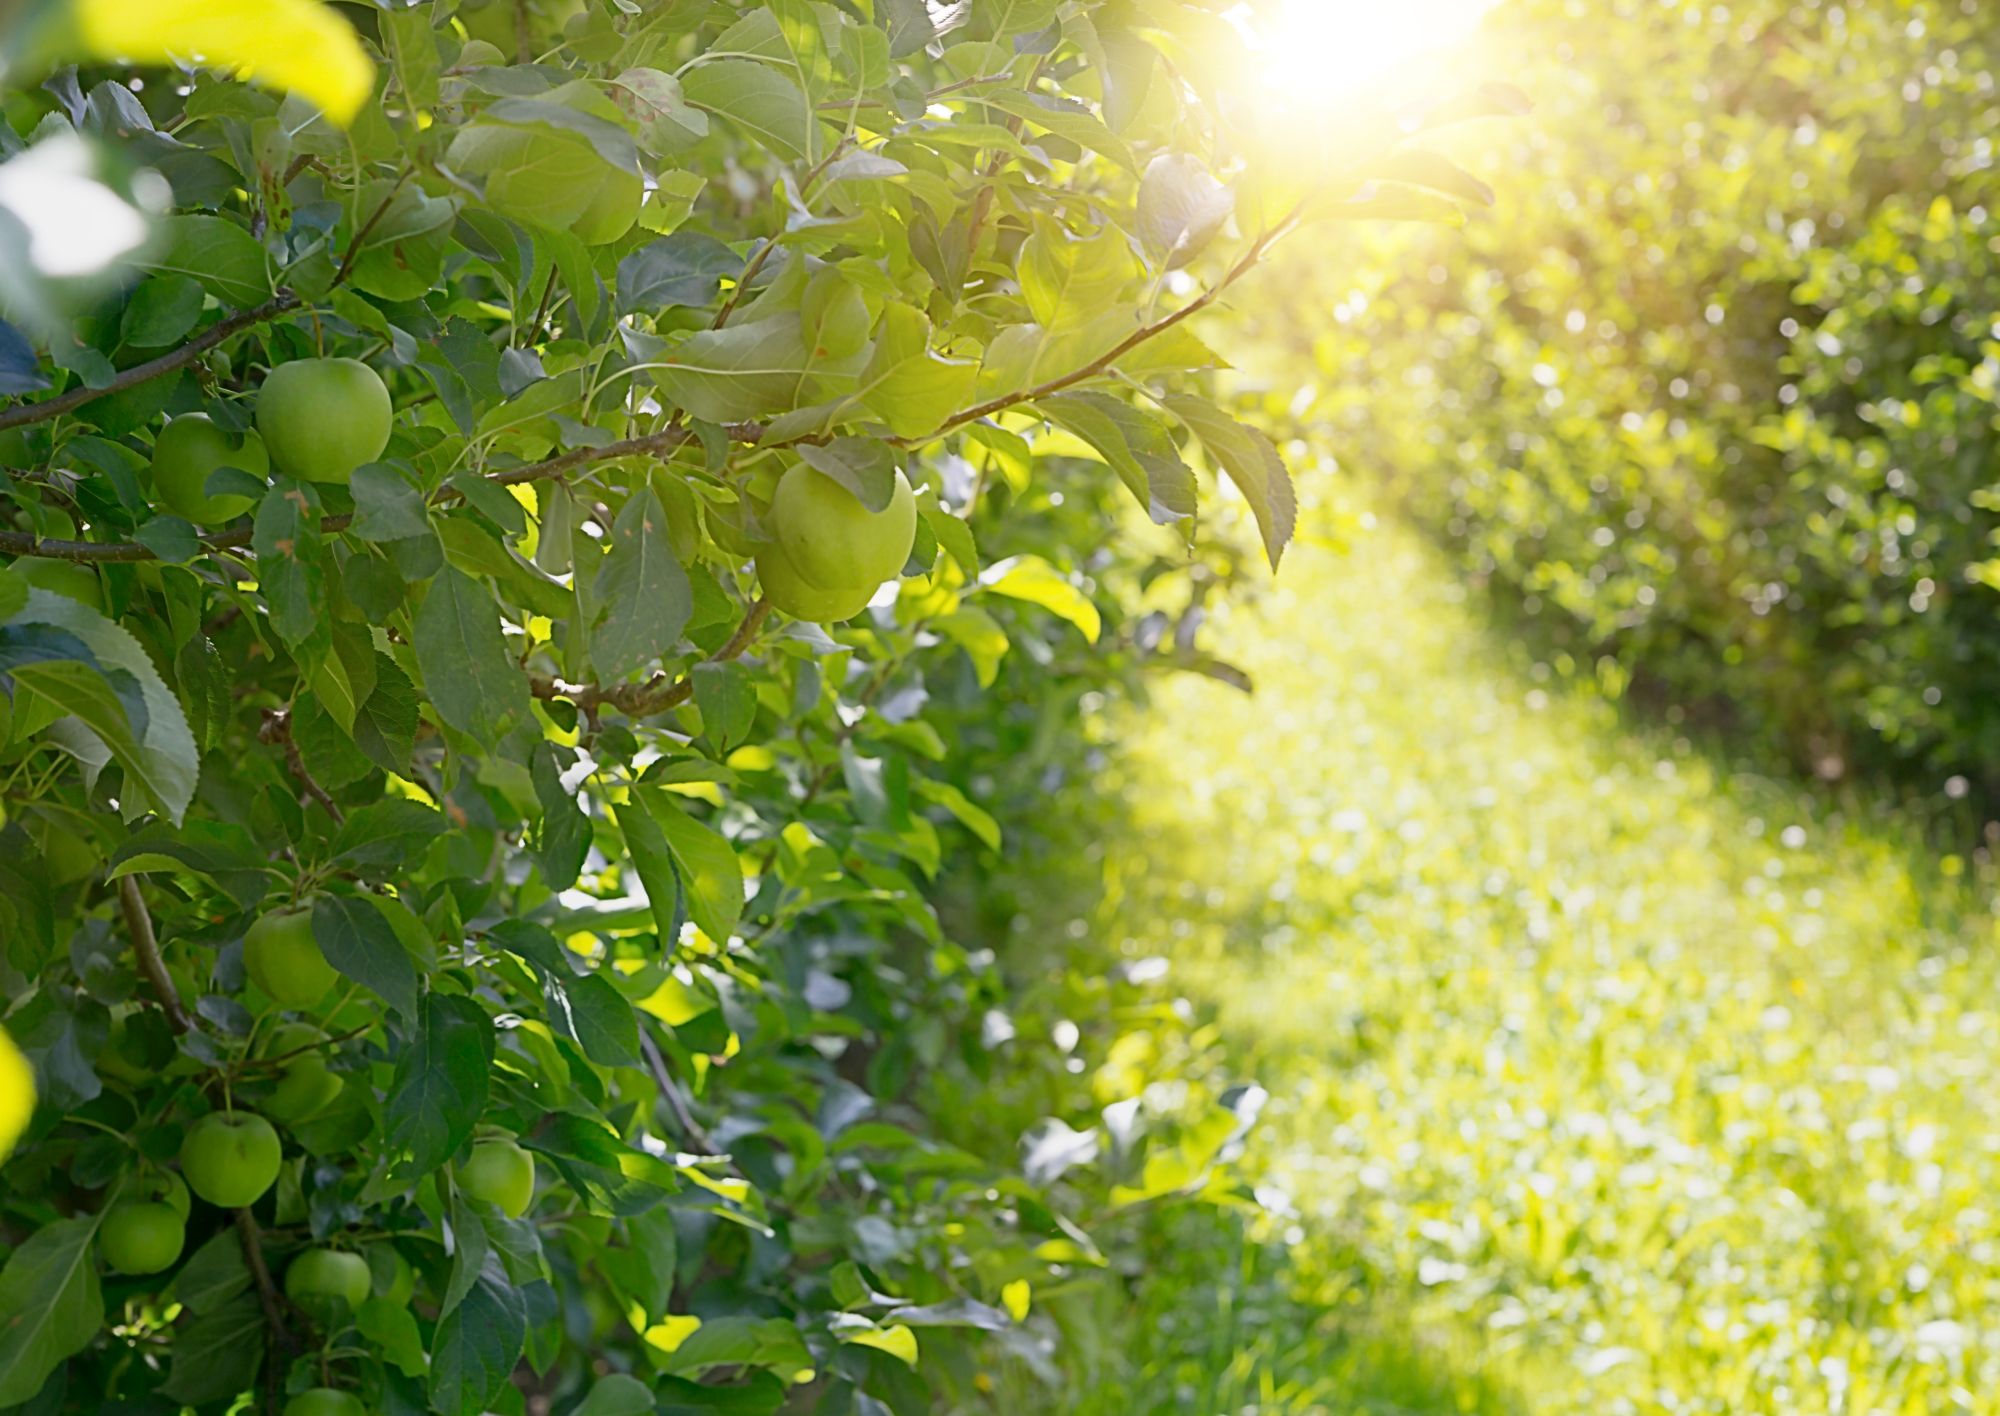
x=488, y=558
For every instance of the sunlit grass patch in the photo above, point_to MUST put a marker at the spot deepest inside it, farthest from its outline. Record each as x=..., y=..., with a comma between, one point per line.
x=1645, y=1086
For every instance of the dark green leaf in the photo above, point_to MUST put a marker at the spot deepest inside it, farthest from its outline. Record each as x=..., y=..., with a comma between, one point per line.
x=441, y=1081
x=358, y=941
x=475, y=686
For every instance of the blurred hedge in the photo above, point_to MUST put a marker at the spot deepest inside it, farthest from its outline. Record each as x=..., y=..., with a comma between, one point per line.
x=1715, y=392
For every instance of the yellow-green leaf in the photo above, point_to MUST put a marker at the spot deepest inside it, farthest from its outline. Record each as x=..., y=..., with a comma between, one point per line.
x=1033, y=579
x=300, y=46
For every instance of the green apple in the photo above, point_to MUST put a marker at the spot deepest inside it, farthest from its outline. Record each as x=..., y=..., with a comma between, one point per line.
x=191, y=447
x=322, y=418
x=502, y=1174
x=67, y=578
x=169, y=1189
x=282, y=958
x=305, y=1086
x=833, y=540
x=328, y=1273
x=141, y=1236
x=230, y=1158
x=325, y=1401
x=799, y=597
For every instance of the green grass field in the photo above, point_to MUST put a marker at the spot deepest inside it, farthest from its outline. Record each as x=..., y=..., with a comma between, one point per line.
x=1602, y=1079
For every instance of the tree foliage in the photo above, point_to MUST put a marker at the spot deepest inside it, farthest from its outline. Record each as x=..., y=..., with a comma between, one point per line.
x=606, y=858
x=1716, y=401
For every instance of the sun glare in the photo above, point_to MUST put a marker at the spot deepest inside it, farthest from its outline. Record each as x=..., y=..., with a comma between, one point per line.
x=1324, y=54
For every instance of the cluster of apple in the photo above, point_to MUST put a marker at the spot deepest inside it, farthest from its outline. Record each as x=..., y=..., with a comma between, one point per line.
x=318, y=419
x=231, y=1158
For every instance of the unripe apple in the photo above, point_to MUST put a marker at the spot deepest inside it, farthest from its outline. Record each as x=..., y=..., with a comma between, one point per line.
x=328, y=1273
x=305, y=1088
x=833, y=540
x=169, y=1189
x=230, y=1158
x=502, y=1174
x=800, y=598
x=305, y=1085
x=325, y=1401
x=141, y=1236
x=322, y=418
x=282, y=958
x=191, y=447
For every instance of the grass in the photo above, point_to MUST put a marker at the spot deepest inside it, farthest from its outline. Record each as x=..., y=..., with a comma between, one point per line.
x=1603, y=1079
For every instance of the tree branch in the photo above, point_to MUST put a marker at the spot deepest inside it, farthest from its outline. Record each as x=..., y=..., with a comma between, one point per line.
x=1103, y=362
x=22, y=414
x=277, y=728
x=22, y=543
x=146, y=948
x=279, y=1334
x=658, y=694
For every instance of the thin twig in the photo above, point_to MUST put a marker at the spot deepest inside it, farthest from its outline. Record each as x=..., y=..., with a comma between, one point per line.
x=277, y=728
x=670, y=1090
x=658, y=694
x=22, y=414
x=146, y=948
x=273, y=1304
x=381, y=210
x=1103, y=362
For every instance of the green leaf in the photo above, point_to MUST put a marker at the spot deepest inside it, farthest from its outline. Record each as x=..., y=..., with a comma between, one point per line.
x=727, y=700
x=1137, y=446
x=1033, y=579
x=226, y=259
x=653, y=863
x=1253, y=465
x=1181, y=208
x=441, y=1081
x=972, y=816
x=217, y=1356
x=653, y=100
x=161, y=311
x=477, y=1345
x=609, y=141
x=472, y=682
x=158, y=754
x=908, y=385
x=707, y=863
x=864, y=466
x=392, y=1330
x=773, y=1343
x=617, y=1395
x=743, y=371
x=291, y=565
x=1416, y=168
x=645, y=593
x=685, y=268
x=562, y=840
x=758, y=99
x=387, y=505
x=591, y=1010
x=358, y=941
x=1069, y=280
x=385, y=726
x=50, y=1305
